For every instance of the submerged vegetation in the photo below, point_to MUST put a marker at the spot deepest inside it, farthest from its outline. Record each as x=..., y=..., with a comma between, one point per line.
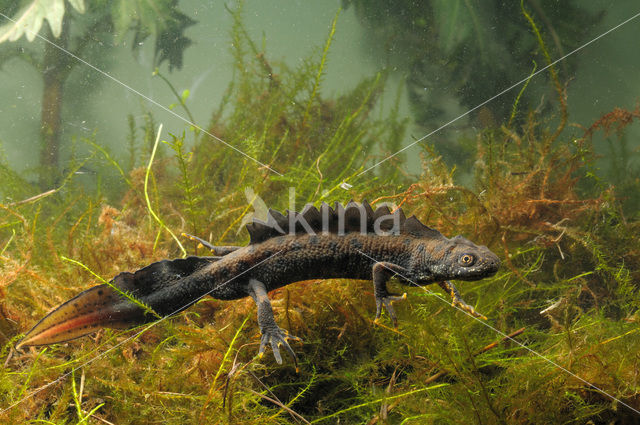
x=446, y=47
x=567, y=289
x=74, y=32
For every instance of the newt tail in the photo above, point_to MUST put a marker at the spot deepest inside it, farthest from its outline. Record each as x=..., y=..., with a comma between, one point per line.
x=110, y=305
x=353, y=241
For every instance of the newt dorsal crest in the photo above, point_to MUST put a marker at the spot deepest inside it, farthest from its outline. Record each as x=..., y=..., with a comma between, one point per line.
x=354, y=217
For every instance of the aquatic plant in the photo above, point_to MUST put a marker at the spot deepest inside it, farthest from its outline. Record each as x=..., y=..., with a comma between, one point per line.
x=464, y=52
x=67, y=37
x=566, y=290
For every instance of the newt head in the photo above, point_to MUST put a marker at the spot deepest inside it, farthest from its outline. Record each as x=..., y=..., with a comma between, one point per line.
x=461, y=259
x=468, y=261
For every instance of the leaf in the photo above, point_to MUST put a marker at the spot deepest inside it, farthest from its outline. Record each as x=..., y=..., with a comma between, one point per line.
x=185, y=95
x=123, y=13
x=171, y=42
x=77, y=5
x=160, y=19
x=29, y=19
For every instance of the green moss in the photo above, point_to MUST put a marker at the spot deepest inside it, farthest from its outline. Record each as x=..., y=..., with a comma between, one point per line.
x=568, y=252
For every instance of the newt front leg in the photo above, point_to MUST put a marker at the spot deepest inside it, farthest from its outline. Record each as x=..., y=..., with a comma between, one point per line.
x=457, y=300
x=382, y=272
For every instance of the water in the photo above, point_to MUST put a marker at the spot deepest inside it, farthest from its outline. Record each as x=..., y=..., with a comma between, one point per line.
x=448, y=125
x=603, y=77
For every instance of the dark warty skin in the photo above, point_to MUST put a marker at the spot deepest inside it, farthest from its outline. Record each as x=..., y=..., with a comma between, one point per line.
x=331, y=244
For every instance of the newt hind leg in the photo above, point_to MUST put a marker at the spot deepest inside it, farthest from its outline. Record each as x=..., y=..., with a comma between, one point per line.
x=217, y=250
x=271, y=333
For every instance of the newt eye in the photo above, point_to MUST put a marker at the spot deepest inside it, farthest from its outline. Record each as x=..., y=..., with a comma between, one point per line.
x=467, y=260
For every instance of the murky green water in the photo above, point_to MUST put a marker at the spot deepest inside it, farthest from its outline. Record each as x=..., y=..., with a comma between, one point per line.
x=511, y=123
x=600, y=77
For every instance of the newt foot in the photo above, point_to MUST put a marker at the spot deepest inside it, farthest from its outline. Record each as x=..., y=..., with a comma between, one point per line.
x=386, y=301
x=277, y=337
x=458, y=302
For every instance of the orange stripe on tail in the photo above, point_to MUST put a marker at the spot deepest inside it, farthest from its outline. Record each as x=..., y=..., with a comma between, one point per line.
x=96, y=308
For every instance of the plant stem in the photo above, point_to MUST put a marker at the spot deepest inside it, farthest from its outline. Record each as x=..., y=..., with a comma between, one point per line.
x=146, y=194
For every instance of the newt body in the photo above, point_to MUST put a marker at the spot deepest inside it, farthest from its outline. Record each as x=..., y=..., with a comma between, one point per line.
x=342, y=242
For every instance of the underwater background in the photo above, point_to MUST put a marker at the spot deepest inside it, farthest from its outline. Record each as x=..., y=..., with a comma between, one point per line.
x=511, y=123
